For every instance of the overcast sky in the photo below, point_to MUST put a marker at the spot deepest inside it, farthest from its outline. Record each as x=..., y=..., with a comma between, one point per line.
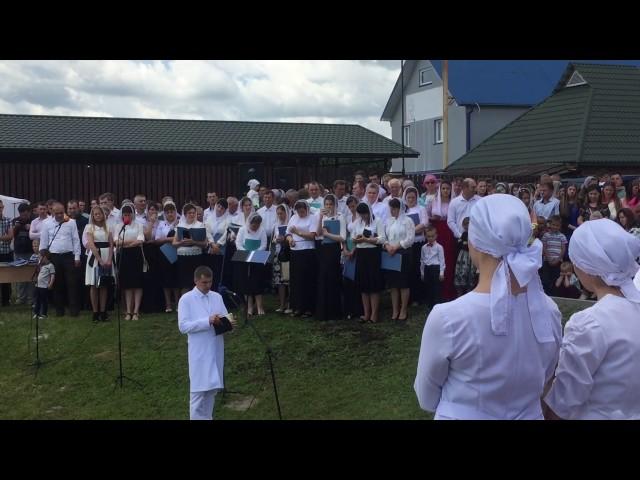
x=333, y=91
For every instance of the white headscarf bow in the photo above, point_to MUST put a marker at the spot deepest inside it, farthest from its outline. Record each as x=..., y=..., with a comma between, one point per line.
x=604, y=249
x=499, y=225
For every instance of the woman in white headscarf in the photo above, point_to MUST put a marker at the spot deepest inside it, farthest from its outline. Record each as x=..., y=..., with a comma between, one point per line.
x=249, y=279
x=281, y=257
x=217, y=225
x=301, y=236
x=418, y=215
x=437, y=213
x=490, y=353
x=399, y=231
x=189, y=251
x=368, y=234
x=329, y=246
x=598, y=374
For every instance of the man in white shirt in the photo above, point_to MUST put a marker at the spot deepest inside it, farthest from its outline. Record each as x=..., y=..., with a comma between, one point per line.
x=106, y=201
x=548, y=205
x=395, y=191
x=460, y=207
x=140, y=205
x=200, y=313
x=268, y=214
x=339, y=190
x=358, y=190
x=60, y=237
x=37, y=223
x=212, y=199
x=315, y=200
x=233, y=206
x=380, y=210
x=374, y=178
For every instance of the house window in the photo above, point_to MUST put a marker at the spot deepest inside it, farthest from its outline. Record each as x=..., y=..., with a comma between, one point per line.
x=423, y=79
x=406, y=130
x=437, y=130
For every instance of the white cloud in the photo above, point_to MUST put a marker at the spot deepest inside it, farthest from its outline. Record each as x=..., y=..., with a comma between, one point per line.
x=260, y=90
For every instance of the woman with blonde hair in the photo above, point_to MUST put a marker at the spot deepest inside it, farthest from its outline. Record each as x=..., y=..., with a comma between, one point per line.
x=99, y=272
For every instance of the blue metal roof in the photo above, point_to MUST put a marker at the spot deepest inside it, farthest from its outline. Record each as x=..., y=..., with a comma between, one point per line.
x=508, y=82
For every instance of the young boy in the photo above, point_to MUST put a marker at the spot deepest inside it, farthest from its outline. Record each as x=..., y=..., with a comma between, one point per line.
x=432, y=266
x=554, y=244
x=46, y=277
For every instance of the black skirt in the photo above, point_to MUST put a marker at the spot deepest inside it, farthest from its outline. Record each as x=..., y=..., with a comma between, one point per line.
x=249, y=278
x=152, y=296
x=215, y=263
x=168, y=272
x=328, y=300
x=303, y=281
x=401, y=279
x=187, y=265
x=369, y=277
x=130, y=268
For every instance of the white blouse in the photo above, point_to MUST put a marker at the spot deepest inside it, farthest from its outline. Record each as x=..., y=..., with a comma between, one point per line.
x=245, y=233
x=467, y=372
x=423, y=219
x=399, y=231
x=376, y=227
x=598, y=374
x=306, y=224
x=343, y=226
x=164, y=228
x=218, y=226
x=134, y=231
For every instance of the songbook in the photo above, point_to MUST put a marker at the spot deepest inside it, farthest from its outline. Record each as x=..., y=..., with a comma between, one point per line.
x=223, y=248
x=415, y=217
x=387, y=262
x=349, y=270
x=282, y=230
x=196, y=234
x=333, y=226
x=170, y=252
x=250, y=244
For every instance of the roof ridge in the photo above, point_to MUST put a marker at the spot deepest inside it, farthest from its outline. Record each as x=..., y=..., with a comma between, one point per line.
x=585, y=125
x=174, y=120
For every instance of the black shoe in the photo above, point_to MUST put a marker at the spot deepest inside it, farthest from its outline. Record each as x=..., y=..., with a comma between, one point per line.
x=103, y=317
x=96, y=317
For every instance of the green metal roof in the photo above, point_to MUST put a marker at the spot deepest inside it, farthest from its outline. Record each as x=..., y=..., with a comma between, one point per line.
x=597, y=123
x=34, y=132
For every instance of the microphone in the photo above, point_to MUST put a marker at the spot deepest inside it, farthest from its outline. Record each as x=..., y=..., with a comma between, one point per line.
x=125, y=221
x=224, y=291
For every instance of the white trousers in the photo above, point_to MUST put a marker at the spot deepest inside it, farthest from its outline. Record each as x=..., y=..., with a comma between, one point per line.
x=201, y=405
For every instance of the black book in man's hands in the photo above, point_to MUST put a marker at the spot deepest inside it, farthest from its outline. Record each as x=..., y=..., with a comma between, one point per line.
x=224, y=326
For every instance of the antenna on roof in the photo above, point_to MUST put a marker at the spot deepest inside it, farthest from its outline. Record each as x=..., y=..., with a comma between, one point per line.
x=403, y=100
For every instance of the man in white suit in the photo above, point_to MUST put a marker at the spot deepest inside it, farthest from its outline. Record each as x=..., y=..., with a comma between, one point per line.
x=200, y=314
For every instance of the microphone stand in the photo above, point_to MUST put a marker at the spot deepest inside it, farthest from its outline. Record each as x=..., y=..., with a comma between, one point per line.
x=117, y=294
x=268, y=351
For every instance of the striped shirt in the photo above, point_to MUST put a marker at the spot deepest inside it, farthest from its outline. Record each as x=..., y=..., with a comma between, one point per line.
x=553, y=243
x=5, y=226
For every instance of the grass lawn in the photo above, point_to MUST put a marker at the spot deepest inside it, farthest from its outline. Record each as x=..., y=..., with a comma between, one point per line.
x=324, y=370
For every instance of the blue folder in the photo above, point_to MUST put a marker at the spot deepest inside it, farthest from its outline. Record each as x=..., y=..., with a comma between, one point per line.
x=223, y=248
x=170, y=252
x=333, y=226
x=415, y=217
x=349, y=270
x=282, y=230
x=250, y=244
x=387, y=262
x=197, y=234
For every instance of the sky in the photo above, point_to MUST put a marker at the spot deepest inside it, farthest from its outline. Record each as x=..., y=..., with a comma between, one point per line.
x=331, y=91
